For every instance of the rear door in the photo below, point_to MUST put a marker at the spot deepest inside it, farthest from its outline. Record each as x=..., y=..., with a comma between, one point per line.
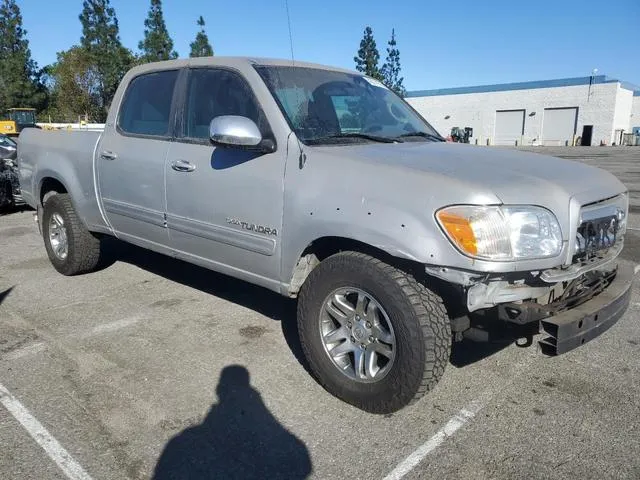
x=224, y=205
x=131, y=157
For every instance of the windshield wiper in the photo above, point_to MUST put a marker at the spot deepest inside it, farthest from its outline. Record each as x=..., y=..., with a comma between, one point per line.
x=430, y=136
x=366, y=136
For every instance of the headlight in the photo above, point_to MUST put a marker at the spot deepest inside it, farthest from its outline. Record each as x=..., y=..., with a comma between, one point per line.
x=502, y=233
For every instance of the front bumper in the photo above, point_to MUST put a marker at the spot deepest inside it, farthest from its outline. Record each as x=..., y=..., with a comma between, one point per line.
x=576, y=326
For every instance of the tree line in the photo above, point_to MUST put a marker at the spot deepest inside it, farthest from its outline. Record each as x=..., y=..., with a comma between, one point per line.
x=368, y=59
x=84, y=78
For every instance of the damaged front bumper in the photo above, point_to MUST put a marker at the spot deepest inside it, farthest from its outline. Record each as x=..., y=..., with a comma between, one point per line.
x=568, y=328
x=568, y=314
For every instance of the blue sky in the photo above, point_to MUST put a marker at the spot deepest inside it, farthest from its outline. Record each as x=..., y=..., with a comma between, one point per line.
x=442, y=44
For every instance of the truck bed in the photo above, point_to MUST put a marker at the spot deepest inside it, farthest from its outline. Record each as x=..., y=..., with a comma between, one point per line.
x=60, y=155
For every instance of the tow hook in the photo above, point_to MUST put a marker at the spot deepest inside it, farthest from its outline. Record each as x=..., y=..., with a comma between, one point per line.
x=524, y=342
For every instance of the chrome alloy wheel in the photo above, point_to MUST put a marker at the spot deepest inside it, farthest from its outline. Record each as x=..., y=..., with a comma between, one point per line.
x=58, y=236
x=357, y=335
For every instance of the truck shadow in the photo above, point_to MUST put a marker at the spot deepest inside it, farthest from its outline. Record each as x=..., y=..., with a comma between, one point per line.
x=4, y=294
x=467, y=352
x=256, y=298
x=259, y=299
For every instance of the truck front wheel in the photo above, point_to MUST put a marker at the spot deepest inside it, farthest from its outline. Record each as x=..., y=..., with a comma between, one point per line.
x=373, y=335
x=71, y=248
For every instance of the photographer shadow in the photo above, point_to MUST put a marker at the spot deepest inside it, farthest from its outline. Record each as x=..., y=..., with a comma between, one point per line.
x=238, y=439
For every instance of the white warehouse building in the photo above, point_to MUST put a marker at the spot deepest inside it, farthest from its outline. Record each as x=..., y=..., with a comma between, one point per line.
x=582, y=111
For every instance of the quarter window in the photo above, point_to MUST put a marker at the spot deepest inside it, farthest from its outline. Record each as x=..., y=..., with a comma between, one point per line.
x=146, y=109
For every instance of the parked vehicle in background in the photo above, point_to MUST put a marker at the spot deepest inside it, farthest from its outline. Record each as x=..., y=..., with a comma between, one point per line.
x=9, y=182
x=322, y=184
x=8, y=148
x=461, y=135
x=15, y=120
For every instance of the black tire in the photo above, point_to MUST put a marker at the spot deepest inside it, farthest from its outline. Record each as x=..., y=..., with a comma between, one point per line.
x=83, y=252
x=419, y=319
x=7, y=201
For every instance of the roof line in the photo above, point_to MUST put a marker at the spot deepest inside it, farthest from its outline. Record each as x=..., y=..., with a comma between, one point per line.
x=503, y=87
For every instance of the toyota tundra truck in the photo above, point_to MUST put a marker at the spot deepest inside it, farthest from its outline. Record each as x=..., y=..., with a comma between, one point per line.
x=322, y=184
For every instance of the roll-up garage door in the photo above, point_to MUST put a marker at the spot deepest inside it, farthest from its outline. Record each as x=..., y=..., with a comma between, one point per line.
x=509, y=127
x=559, y=125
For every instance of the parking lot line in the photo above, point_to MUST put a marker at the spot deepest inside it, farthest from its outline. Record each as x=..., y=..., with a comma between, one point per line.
x=113, y=326
x=28, y=350
x=453, y=425
x=50, y=445
x=636, y=269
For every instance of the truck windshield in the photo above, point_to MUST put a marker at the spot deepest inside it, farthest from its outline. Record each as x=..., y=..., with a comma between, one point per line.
x=332, y=107
x=23, y=117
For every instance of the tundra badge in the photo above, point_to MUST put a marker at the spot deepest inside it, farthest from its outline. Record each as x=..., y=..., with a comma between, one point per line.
x=253, y=227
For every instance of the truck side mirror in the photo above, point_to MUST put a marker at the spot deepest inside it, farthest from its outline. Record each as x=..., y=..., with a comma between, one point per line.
x=238, y=132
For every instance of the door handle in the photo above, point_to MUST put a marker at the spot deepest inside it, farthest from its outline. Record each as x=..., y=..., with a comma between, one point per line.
x=182, y=166
x=108, y=155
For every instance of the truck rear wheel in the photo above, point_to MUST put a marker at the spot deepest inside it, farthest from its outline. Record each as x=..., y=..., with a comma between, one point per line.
x=372, y=334
x=71, y=248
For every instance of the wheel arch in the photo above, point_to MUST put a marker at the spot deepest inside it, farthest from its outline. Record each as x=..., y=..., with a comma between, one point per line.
x=323, y=247
x=49, y=184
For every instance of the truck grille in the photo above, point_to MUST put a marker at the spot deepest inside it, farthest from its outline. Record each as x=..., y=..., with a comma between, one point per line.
x=596, y=235
x=599, y=240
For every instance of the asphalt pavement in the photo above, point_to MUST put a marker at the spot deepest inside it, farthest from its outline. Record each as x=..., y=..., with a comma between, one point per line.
x=153, y=367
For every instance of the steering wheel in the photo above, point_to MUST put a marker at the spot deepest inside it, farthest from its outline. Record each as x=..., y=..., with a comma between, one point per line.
x=398, y=114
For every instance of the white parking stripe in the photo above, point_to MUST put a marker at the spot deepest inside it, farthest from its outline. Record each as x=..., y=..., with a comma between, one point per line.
x=28, y=350
x=636, y=270
x=55, y=451
x=453, y=425
x=113, y=326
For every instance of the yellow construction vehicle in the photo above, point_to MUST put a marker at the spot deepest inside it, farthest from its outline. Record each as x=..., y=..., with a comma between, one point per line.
x=15, y=119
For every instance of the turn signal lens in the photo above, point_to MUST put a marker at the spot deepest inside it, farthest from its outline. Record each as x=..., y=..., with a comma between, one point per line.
x=478, y=231
x=459, y=230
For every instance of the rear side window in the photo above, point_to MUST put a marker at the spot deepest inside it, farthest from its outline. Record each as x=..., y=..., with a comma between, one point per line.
x=146, y=108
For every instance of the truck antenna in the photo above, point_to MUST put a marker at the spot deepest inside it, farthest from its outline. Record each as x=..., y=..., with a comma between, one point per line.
x=286, y=5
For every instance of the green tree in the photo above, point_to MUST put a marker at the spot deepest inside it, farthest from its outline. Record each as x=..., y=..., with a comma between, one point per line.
x=368, y=56
x=75, y=86
x=201, y=46
x=391, y=69
x=101, y=42
x=157, y=44
x=20, y=84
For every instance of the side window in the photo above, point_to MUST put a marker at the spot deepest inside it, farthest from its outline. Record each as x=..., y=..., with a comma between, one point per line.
x=213, y=93
x=146, y=107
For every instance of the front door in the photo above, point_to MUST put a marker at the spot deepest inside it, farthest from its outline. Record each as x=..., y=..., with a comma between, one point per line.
x=224, y=205
x=131, y=160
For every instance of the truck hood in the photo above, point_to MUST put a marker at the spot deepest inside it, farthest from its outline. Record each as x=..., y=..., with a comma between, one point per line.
x=515, y=177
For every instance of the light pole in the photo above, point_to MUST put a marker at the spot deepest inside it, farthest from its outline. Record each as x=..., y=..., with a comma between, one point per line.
x=591, y=80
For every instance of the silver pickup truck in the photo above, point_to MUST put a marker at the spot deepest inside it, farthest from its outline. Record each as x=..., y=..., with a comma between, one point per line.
x=322, y=184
